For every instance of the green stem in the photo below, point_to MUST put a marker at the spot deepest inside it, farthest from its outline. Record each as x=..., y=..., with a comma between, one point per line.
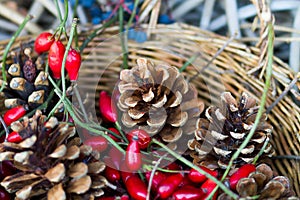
x=118, y=126
x=12, y=40
x=75, y=16
x=188, y=62
x=96, y=33
x=262, y=103
x=122, y=38
x=58, y=10
x=73, y=28
x=135, y=5
x=188, y=163
x=68, y=106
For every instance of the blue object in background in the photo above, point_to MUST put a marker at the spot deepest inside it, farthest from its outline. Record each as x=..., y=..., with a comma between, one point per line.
x=106, y=15
x=87, y=3
x=96, y=20
x=165, y=19
x=141, y=37
x=131, y=34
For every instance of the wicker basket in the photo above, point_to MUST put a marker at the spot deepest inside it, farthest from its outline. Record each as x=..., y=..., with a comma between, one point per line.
x=232, y=71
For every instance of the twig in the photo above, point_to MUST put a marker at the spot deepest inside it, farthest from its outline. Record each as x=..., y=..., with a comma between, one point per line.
x=5, y=127
x=123, y=39
x=213, y=58
x=286, y=90
x=152, y=175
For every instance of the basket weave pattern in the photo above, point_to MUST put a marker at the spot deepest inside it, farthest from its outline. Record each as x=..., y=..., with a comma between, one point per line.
x=232, y=71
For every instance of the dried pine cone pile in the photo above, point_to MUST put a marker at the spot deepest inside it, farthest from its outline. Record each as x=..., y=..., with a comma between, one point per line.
x=223, y=130
x=158, y=100
x=51, y=161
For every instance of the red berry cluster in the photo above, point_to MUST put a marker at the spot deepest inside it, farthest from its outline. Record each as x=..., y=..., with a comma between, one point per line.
x=46, y=42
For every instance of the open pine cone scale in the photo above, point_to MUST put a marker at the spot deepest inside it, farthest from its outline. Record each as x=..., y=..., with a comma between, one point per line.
x=158, y=100
x=223, y=130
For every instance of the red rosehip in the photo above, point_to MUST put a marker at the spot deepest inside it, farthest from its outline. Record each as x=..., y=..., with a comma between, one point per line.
x=143, y=137
x=188, y=193
x=14, y=137
x=133, y=158
x=169, y=185
x=73, y=63
x=207, y=187
x=14, y=114
x=43, y=42
x=157, y=179
x=197, y=177
x=242, y=172
x=4, y=195
x=106, y=107
x=55, y=58
x=136, y=188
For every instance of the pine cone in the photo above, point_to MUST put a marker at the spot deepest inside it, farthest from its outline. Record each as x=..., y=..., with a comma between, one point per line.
x=262, y=182
x=224, y=129
x=158, y=100
x=27, y=81
x=52, y=163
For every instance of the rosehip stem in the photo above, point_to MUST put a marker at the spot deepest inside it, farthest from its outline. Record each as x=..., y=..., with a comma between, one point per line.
x=123, y=38
x=69, y=108
x=188, y=163
x=5, y=127
x=58, y=11
x=12, y=40
x=152, y=175
x=136, y=2
x=119, y=128
x=80, y=102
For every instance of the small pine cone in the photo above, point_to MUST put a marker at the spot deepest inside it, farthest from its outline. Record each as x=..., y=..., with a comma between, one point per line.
x=265, y=184
x=158, y=100
x=27, y=81
x=52, y=162
x=220, y=134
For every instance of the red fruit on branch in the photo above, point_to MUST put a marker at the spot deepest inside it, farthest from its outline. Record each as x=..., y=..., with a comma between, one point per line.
x=14, y=137
x=14, y=114
x=157, y=179
x=136, y=188
x=188, y=193
x=133, y=157
x=207, y=187
x=43, y=42
x=198, y=177
x=242, y=172
x=73, y=63
x=112, y=174
x=6, y=169
x=98, y=143
x=143, y=137
x=106, y=107
x=125, y=173
x=168, y=186
x=55, y=58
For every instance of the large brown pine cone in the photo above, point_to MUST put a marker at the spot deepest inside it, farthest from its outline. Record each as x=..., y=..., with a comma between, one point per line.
x=220, y=134
x=158, y=100
x=52, y=162
x=264, y=184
